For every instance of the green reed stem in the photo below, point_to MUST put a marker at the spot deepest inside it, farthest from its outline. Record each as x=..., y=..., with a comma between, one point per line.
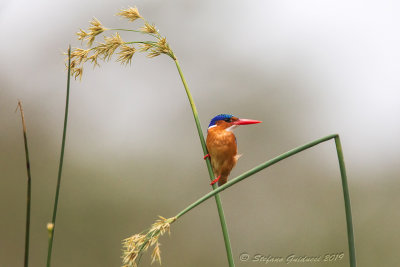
x=347, y=206
x=50, y=228
x=29, y=189
x=129, y=30
x=210, y=171
x=51, y=234
x=290, y=153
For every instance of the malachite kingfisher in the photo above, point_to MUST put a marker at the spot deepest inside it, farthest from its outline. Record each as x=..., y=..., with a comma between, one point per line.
x=222, y=146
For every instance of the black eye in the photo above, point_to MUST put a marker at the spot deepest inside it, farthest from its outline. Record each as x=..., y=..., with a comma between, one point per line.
x=228, y=120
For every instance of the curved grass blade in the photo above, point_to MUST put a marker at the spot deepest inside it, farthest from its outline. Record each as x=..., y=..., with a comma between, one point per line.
x=349, y=223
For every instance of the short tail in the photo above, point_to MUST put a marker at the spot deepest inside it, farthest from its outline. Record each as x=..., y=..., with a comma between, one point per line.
x=222, y=180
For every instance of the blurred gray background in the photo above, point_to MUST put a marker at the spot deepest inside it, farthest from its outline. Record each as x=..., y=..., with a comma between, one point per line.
x=305, y=68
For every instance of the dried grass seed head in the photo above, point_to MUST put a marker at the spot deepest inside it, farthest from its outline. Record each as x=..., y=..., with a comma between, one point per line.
x=95, y=29
x=156, y=255
x=161, y=47
x=147, y=28
x=126, y=53
x=80, y=55
x=139, y=243
x=144, y=47
x=82, y=34
x=131, y=13
x=108, y=48
x=93, y=58
x=77, y=72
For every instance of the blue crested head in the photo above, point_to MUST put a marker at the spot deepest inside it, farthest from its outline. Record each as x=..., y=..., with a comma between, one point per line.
x=220, y=117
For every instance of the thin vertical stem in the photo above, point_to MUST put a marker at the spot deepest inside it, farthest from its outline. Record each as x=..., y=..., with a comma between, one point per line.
x=210, y=171
x=346, y=195
x=53, y=221
x=29, y=188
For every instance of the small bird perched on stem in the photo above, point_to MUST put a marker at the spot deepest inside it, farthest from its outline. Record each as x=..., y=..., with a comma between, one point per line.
x=222, y=146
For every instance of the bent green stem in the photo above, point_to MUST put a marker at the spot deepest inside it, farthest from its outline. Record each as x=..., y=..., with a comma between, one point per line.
x=346, y=195
x=210, y=171
x=290, y=153
x=29, y=188
x=53, y=221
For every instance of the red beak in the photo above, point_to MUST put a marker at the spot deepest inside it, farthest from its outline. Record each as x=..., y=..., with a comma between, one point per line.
x=245, y=122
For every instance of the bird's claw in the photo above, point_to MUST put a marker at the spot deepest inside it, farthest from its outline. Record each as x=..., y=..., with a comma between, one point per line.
x=206, y=156
x=215, y=180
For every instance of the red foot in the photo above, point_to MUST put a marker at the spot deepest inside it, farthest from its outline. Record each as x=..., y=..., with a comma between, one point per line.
x=206, y=156
x=215, y=180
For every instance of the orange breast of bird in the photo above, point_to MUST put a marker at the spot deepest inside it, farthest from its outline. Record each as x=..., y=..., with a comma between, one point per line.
x=221, y=146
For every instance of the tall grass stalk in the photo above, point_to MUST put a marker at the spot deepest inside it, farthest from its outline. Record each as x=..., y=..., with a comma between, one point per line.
x=52, y=227
x=347, y=206
x=210, y=171
x=29, y=188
